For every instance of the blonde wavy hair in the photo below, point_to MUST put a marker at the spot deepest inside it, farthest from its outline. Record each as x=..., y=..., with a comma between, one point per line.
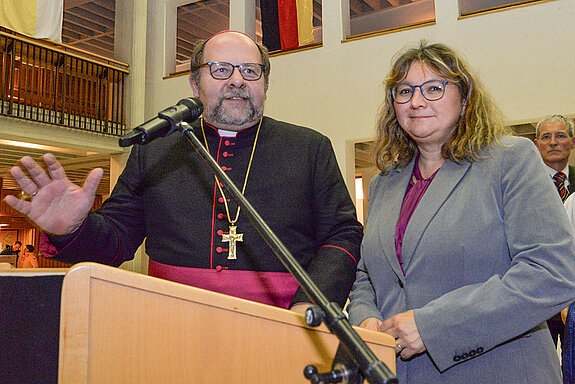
x=480, y=125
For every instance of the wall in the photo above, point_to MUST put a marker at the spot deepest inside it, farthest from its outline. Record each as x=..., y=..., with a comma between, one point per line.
x=523, y=55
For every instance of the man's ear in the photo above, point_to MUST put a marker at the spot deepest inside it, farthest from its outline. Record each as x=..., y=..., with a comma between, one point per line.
x=195, y=87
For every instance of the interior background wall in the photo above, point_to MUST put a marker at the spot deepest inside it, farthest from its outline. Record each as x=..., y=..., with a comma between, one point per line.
x=523, y=55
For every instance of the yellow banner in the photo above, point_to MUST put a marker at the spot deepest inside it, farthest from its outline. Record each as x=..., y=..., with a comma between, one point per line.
x=41, y=19
x=305, y=21
x=19, y=16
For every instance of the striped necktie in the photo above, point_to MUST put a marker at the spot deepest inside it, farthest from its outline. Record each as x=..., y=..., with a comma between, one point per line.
x=559, y=180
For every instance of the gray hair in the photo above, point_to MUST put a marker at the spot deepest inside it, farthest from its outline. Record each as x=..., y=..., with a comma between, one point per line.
x=559, y=118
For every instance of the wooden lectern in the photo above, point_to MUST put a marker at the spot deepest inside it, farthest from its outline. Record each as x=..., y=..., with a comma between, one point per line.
x=124, y=327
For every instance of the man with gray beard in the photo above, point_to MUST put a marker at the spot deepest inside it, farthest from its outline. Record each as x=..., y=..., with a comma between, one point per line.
x=194, y=233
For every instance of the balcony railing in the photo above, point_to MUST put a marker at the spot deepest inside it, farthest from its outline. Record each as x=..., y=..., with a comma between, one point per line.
x=48, y=84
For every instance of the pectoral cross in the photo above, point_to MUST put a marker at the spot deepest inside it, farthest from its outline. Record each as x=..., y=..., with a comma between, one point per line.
x=232, y=237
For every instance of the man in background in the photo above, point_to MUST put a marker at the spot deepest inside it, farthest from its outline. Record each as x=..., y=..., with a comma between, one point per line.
x=554, y=139
x=7, y=250
x=16, y=247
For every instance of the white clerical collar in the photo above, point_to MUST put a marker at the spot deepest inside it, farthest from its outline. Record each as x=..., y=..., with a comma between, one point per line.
x=226, y=133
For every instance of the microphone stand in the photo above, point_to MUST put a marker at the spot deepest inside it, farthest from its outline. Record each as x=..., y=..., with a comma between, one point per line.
x=375, y=371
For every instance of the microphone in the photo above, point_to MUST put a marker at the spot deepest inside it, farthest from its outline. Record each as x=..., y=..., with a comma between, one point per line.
x=188, y=109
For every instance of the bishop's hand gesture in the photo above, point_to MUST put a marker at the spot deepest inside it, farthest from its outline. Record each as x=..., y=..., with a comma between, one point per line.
x=54, y=203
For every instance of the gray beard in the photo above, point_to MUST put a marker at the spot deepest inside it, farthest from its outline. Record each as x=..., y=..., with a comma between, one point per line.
x=218, y=115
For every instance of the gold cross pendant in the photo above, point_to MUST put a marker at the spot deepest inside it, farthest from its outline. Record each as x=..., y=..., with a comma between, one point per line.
x=232, y=237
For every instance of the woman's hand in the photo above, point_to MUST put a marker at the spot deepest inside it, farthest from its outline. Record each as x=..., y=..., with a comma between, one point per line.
x=407, y=339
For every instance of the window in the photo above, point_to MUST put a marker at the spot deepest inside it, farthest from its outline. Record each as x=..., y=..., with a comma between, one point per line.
x=198, y=21
x=369, y=16
x=359, y=198
x=89, y=25
x=201, y=19
x=467, y=7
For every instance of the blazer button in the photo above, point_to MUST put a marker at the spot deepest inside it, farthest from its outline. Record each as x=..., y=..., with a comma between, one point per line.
x=479, y=350
x=400, y=283
x=456, y=358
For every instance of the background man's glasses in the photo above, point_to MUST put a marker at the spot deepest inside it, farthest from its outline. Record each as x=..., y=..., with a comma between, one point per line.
x=220, y=70
x=431, y=90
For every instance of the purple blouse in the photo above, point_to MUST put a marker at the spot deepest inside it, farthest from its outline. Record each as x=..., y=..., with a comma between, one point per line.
x=415, y=190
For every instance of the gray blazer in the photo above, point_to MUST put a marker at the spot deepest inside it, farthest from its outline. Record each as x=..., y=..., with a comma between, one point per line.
x=489, y=255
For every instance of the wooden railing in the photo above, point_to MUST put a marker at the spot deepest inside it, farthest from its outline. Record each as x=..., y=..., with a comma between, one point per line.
x=48, y=84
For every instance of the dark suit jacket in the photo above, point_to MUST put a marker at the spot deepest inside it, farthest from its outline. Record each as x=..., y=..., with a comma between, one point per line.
x=167, y=195
x=571, y=187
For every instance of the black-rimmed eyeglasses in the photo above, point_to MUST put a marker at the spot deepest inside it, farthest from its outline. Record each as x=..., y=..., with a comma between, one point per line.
x=431, y=90
x=220, y=70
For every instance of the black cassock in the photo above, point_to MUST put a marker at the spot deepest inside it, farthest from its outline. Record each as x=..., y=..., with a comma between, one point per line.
x=168, y=195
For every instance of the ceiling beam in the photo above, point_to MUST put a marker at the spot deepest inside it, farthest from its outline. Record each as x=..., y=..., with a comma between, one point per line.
x=374, y=4
x=97, y=38
x=355, y=6
x=75, y=3
x=85, y=17
x=97, y=9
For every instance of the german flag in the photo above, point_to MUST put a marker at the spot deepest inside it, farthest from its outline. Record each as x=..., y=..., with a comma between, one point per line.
x=286, y=23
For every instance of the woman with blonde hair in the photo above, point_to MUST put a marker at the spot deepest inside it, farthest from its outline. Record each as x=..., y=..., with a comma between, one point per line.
x=459, y=262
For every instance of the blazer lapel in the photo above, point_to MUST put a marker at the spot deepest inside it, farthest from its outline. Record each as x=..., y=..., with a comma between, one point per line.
x=443, y=184
x=571, y=186
x=396, y=185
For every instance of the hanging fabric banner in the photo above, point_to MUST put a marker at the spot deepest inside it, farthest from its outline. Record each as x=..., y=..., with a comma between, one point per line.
x=286, y=24
x=41, y=19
